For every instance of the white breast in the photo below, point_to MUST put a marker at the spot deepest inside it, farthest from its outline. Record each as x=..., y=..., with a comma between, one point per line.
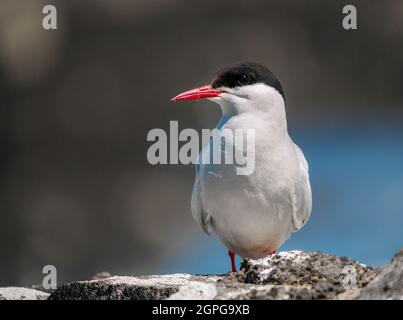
x=253, y=215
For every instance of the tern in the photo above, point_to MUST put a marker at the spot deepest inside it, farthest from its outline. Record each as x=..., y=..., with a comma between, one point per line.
x=253, y=215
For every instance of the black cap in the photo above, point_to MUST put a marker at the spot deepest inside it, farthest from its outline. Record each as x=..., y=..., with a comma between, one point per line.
x=246, y=73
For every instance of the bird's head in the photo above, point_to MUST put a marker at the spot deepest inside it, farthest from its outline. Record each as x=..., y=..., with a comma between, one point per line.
x=243, y=87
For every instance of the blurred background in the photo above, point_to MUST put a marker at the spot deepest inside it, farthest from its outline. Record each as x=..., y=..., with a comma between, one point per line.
x=76, y=104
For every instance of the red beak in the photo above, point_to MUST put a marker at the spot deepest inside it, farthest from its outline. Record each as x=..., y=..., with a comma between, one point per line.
x=202, y=92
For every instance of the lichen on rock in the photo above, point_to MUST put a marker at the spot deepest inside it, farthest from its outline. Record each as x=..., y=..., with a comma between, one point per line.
x=286, y=275
x=307, y=275
x=389, y=283
x=17, y=293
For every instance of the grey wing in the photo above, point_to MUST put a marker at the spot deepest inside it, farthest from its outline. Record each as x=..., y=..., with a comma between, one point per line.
x=199, y=214
x=301, y=195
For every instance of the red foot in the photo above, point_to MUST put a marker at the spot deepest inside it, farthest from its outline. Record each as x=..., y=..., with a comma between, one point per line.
x=232, y=257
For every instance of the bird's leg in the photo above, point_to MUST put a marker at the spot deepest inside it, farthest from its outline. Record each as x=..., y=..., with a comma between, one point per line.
x=232, y=257
x=272, y=252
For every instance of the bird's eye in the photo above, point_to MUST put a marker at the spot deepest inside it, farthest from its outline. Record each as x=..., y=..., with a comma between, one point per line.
x=243, y=80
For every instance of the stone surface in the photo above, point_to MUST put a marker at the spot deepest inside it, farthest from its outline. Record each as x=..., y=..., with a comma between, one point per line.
x=286, y=275
x=299, y=275
x=389, y=283
x=133, y=288
x=15, y=293
x=306, y=275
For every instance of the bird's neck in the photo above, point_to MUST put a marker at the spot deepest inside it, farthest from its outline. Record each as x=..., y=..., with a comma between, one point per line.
x=270, y=119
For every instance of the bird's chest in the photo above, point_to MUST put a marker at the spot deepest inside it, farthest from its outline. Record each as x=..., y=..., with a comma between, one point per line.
x=271, y=170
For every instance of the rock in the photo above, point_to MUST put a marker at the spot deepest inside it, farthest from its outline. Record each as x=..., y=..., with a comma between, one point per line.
x=349, y=294
x=307, y=275
x=302, y=275
x=287, y=275
x=14, y=293
x=130, y=288
x=389, y=283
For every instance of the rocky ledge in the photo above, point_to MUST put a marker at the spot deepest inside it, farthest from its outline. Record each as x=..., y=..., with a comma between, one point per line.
x=286, y=275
